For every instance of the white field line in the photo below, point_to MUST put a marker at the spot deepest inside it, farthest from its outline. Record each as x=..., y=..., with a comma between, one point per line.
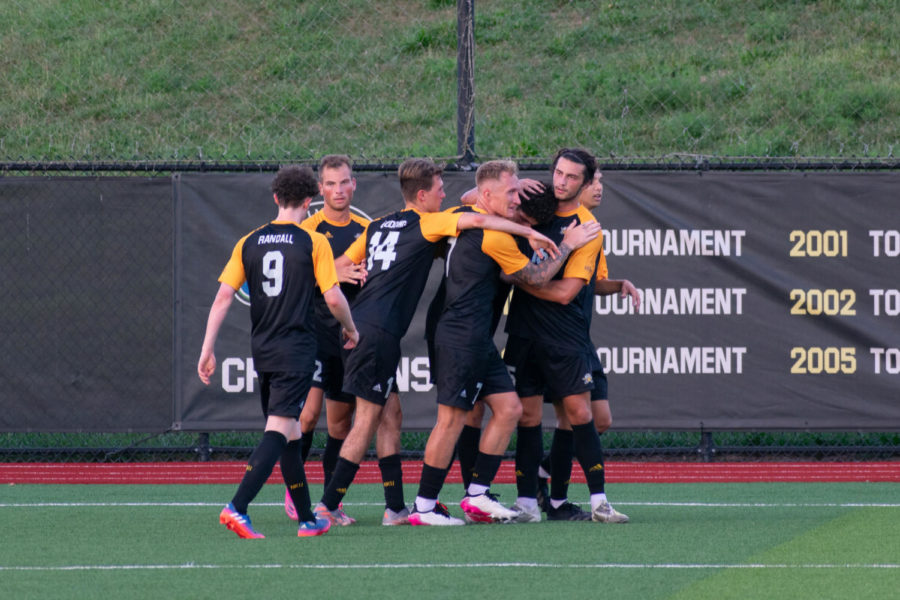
x=501, y=565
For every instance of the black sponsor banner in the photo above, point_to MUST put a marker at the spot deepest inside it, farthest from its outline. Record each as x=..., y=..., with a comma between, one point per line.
x=769, y=301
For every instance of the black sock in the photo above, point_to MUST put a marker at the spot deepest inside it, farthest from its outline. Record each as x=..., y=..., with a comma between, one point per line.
x=344, y=472
x=305, y=445
x=259, y=468
x=529, y=447
x=486, y=467
x=590, y=456
x=467, y=450
x=330, y=456
x=295, y=479
x=432, y=481
x=392, y=478
x=561, y=451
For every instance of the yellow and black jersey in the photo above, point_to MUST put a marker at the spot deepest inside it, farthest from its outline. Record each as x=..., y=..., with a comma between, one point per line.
x=472, y=281
x=566, y=325
x=281, y=263
x=398, y=250
x=340, y=236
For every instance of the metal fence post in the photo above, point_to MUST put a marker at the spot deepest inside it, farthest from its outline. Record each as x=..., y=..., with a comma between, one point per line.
x=465, y=81
x=204, y=451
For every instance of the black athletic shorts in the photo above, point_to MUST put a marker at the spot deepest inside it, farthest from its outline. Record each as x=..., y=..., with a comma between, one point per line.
x=600, y=391
x=465, y=375
x=370, y=369
x=329, y=377
x=283, y=394
x=542, y=369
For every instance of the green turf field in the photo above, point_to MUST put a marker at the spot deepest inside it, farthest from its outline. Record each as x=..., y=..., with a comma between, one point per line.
x=817, y=540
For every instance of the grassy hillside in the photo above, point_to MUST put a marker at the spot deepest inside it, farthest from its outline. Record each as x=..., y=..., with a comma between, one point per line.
x=288, y=80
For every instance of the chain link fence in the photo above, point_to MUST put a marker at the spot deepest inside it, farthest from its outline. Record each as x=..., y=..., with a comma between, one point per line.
x=163, y=86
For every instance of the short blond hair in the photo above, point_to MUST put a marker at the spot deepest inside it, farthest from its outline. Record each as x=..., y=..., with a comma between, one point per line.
x=493, y=169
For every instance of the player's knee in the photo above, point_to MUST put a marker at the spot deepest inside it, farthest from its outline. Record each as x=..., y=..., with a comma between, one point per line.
x=603, y=425
x=509, y=412
x=308, y=421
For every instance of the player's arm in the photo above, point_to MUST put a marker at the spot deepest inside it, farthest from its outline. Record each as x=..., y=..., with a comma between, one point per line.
x=575, y=237
x=561, y=291
x=623, y=287
x=338, y=306
x=538, y=241
x=206, y=366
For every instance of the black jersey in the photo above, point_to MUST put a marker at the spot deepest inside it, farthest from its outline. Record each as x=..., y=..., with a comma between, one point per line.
x=564, y=325
x=398, y=249
x=340, y=236
x=281, y=264
x=472, y=284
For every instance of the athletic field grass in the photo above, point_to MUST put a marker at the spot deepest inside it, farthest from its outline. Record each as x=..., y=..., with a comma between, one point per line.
x=274, y=80
x=738, y=540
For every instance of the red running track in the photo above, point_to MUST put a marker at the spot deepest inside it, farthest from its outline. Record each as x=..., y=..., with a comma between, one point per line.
x=616, y=472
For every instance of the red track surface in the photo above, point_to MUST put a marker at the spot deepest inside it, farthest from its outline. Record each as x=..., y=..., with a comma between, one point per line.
x=617, y=472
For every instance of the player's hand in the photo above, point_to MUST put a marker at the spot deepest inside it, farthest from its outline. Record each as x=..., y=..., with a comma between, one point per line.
x=352, y=273
x=206, y=366
x=628, y=290
x=577, y=236
x=351, y=338
x=539, y=241
x=532, y=186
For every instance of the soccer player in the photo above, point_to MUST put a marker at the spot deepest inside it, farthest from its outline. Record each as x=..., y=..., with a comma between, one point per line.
x=398, y=249
x=537, y=205
x=559, y=460
x=281, y=263
x=341, y=227
x=551, y=352
x=467, y=364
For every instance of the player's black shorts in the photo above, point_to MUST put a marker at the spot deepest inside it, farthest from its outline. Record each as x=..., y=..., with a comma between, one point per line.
x=542, y=369
x=601, y=386
x=465, y=375
x=370, y=369
x=329, y=377
x=600, y=391
x=283, y=394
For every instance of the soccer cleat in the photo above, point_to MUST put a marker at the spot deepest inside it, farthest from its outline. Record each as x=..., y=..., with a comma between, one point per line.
x=439, y=515
x=238, y=523
x=526, y=515
x=289, y=507
x=312, y=528
x=567, y=512
x=336, y=516
x=391, y=517
x=543, y=494
x=605, y=513
x=484, y=508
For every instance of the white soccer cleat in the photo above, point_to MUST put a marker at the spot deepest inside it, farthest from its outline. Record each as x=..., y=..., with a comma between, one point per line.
x=605, y=513
x=484, y=508
x=439, y=515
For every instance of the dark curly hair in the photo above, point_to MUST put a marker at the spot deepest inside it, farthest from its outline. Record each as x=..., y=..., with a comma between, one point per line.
x=293, y=185
x=540, y=206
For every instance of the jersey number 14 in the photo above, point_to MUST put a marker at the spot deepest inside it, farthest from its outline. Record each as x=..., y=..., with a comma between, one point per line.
x=384, y=251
